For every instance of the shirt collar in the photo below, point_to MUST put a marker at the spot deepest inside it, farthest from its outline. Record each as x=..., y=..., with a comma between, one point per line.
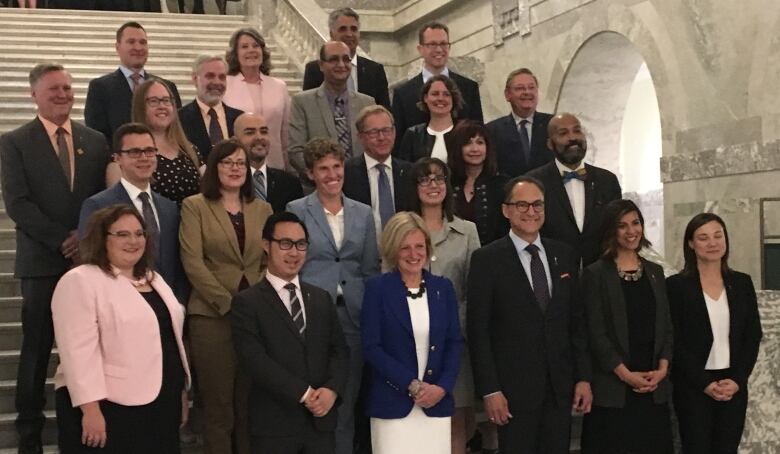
x=563, y=168
x=354, y=60
x=243, y=79
x=262, y=168
x=51, y=128
x=427, y=74
x=521, y=244
x=127, y=72
x=133, y=191
x=371, y=162
x=278, y=283
x=518, y=118
x=204, y=108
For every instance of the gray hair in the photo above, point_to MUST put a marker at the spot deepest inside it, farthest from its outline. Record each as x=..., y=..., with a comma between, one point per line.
x=207, y=58
x=41, y=69
x=336, y=13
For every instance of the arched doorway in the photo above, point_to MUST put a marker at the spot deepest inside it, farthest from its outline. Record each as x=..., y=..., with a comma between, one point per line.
x=609, y=87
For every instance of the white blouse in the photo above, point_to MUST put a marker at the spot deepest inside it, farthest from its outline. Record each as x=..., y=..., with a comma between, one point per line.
x=718, y=310
x=439, y=147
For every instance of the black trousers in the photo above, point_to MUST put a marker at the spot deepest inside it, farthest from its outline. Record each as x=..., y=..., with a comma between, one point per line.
x=38, y=336
x=311, y=441
x=545, y=429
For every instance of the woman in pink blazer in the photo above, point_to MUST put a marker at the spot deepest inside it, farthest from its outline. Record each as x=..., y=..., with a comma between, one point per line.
x=123, y=371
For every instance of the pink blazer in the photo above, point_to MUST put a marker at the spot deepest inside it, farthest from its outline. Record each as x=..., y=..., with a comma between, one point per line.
x=109, y=338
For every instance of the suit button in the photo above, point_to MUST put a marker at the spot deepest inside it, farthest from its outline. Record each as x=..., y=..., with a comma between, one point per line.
x=433, y=348
x=337, y=259
x=430, y=372
x=343, y=283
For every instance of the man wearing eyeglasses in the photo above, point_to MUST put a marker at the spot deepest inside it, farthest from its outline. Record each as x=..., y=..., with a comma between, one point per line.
x=434, y=48
x=526, y=329
x=136, y=154
x=110, y=97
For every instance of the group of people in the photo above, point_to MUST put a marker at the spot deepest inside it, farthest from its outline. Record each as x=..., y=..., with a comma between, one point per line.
x=326, y=288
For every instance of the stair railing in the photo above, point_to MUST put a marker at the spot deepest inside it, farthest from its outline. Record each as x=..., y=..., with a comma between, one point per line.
x=301, y=28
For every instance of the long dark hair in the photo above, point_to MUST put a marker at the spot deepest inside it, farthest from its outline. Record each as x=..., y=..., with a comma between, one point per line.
x=461, y=134
x=210, y=185
x=421, y=169
x=689, y=254
x=613, y=212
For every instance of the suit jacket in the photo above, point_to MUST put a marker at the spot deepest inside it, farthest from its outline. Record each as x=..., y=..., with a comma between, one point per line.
x=407, y=94
x=108, y=337
x=283, y=188
x=514, y=344
x=350, y=265
x=197, y=131
x=601, y=187
x=109, y=102
x=488, y=197
x=36, y=193
x=210, y=254
x=281, y=363
x=390, y=350
x=357, y=187
x=693, y=332
x=371, y=79
x=608, y=330
x=506, y=141
x=417, y=143
x=311, y=116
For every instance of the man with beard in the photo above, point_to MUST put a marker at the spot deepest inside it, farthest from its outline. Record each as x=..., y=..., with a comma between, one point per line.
x=207, y=120
x=275, y=186
x=576, y=193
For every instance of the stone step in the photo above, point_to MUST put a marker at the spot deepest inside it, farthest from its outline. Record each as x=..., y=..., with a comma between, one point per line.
x=8, y=395
x=7, y=239
x=8, y=430
x=94, y=68
x=10, y=309
x=9, y=286
x=6, y=222
x=115, y=18
x=179, y=74
x=7, y=258
x=10, y=335
x=9, y=364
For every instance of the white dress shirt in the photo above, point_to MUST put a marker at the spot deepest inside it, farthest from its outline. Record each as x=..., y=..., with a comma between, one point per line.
x=127, y=72
x=529, y=127
x=134, y=192
x=336, y=224
x=278, y=284
x=427, y=74
x=373, y=185
x=353, y=73
x=575, y=189
x=718, y=311
x=439, y=146
x=221, y=120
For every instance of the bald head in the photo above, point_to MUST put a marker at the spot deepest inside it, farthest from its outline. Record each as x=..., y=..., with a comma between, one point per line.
x=566, y=139
x=335, y=64
x=252, y=131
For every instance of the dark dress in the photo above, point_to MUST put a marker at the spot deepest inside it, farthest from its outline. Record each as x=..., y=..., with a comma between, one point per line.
x=237, y=220
x=139, y=429
x=641, y=426
x=484, y=208
x=176, y=179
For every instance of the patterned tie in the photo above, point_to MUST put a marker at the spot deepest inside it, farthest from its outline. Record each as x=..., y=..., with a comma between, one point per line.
x=295, y=309
x=215, y=132
x=575, y=175
x=538, y=277
x=136, y=78
x=386, y=206
x=152, y=230
x=343, y=131
x=525, y=142
x=259, y=180
x=64, y=155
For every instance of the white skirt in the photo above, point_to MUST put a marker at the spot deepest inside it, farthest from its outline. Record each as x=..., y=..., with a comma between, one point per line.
x=416, y=433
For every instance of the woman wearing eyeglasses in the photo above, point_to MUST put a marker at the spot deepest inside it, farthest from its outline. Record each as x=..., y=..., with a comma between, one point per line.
x=222, y=253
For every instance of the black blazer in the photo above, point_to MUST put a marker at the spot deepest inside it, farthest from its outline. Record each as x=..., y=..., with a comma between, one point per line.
x=357, y=187
x=488, y=196
x=417, y=143
x=197, y=132
x=281, y=364
x=608, y=330
x=283, y=188
x=601, y=187
x=37, y=197
x=407, y=94
x=513, y=343
x=110, y=100
x=693, y=333
x=372, y=80
x=506, y=141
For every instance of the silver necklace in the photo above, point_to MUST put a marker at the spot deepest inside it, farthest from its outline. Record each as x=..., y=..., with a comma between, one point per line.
x=631, y=276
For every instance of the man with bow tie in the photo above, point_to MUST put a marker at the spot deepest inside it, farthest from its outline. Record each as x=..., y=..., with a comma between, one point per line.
x=576, y=192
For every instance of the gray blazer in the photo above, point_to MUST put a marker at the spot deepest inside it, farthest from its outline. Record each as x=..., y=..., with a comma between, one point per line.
x=608, y=329
x=311, y=116
x=353, y=263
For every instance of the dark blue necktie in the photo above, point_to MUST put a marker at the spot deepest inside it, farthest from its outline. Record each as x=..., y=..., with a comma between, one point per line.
x=538, y=277
x=525, y=141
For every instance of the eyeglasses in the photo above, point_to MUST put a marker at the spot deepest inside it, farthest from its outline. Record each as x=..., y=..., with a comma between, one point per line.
x=126, y=235
x=523, y=206
x=427, y=181
x=229, y=163
x=286, y=244
x=441, y=45
x=374, y=133
x=333, y=59
x=156, y=102
x=135, y=153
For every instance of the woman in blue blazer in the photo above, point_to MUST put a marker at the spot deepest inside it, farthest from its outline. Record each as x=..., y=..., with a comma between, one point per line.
x=412, y=344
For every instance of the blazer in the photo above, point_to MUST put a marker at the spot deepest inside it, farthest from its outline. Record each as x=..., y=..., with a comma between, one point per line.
x=281, y=363
x=283, y=188
x=371, y=79
x=311, y=116
x=110, y=100
x=350, y=265
x=167, y=260
x=488, y=197
x=390, y=351
x=197, y=131
x=37, y=197
x=108, y=337
x=407, y=94
x=608, y=330
x=506, y=141
x=357, y=186
x=210, y=253
x=515, y=346
x=417, y=143
x=693, y=332
x=601, y=187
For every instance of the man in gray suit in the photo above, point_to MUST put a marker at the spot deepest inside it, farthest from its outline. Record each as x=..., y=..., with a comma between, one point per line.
x=329, y=110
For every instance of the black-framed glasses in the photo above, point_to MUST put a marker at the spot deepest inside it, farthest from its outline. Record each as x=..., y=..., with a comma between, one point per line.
x=429, y=180
x=154, y=101
x=441, y=45
x=286, y=244
x=376, y=132
x=228, y=163
x=126, y=235
x=135, y=153
x=333, y=59
x=523, y=206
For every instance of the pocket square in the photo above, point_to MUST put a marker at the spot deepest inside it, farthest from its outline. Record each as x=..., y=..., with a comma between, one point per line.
x=565, y=275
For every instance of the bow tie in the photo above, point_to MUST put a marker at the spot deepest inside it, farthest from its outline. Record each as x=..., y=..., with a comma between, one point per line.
x=577, y=174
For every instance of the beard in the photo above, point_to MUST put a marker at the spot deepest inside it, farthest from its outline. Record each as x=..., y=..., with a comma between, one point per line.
x=258, y=151
x=572, y=153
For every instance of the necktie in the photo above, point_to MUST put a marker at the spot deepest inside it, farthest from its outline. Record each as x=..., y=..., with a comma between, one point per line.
x=64, y=155
x=259, y=180
x=215, y=132
x=575, y=175
x=295, y=309
x=538, y=277
x=136, y=78
x=152, y=230
x=525, y=142
x=343, y=131
x=386, y=206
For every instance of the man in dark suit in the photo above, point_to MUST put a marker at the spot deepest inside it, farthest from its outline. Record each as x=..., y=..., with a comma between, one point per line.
x=526, y=330
x=576, y=192
x=289, y=341
x=367, y=77
x=49, y=167
x=275, y=186
x=434, y=48
x=207, y=120
x=110, y=97
x=520, y=138
x=136, y=154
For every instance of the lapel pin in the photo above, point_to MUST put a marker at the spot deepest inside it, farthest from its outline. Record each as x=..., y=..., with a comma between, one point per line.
x=79, y=151
x=565, y=275
x=555, y=260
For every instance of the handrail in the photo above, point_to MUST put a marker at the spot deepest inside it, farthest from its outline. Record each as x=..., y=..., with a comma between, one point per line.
x=301, y=34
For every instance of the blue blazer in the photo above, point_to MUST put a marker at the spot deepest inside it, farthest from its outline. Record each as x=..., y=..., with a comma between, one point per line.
x=353, y=263
x=167, y=261
x=389, y=348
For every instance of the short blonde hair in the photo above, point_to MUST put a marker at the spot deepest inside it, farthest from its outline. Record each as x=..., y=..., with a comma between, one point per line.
x=396, y=230
x=372, y=110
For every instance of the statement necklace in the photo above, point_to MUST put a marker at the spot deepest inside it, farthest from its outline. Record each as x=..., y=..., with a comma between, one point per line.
x=143, y=281
x=631, y=276
x=419, y=293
